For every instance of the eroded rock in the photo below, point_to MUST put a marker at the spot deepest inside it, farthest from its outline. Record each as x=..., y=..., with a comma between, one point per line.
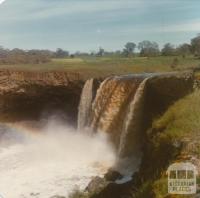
x=112, y=175
x=96, y=185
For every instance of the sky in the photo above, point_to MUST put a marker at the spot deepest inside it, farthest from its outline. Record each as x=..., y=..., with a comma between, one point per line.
x=86, y=25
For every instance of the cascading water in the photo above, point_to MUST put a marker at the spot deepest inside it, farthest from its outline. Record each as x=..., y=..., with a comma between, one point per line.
x=130, y=147
x=85, y=106
x=133, y=123
x=117, y=110
x=110, y=105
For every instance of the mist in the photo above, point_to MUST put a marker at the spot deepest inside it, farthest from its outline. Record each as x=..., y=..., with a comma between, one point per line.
x=51, y=160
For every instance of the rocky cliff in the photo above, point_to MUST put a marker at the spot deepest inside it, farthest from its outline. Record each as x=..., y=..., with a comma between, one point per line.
x=27, y=95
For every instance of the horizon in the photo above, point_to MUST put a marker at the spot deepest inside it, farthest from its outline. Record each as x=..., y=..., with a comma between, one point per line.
x=86, y=25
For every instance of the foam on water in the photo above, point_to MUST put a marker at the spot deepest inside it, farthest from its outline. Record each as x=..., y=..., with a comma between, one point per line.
x=54, y=162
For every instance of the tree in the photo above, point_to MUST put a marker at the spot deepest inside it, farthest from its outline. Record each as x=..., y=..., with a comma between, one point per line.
x=19, y=56
x=60, y=53
x=3, y=52
x=92, y=53
x=129, y=48
x=100, y=52
x=184, y=49
x=195, y=45
x=168, y=50
x=148, y=48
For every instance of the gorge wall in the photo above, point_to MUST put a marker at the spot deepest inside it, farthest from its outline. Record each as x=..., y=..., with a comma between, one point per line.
x=27, y=95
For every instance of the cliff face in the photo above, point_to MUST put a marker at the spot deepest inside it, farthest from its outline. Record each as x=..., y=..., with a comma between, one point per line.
x=10, y=79
x=162, y=92
x=173, y=137
x=27, y=95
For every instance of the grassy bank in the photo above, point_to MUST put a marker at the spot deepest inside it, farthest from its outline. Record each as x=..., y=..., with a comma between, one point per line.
x=103, y=66
x=182, y=120
x=180, y=123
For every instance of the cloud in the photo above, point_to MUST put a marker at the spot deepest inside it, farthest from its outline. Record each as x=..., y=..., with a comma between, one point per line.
x=68, y=8
x=190, y=26
x=1, y=1
x=85, y=24
x=41, y=9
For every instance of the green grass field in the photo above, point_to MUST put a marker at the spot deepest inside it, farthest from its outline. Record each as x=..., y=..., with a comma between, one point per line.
x=104, y=66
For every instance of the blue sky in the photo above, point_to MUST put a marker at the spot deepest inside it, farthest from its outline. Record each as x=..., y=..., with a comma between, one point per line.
x=86, y=25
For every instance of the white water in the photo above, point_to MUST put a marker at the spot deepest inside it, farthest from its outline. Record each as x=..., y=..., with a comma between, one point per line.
x=85, y=104
x=132, y=124
x=51, y=163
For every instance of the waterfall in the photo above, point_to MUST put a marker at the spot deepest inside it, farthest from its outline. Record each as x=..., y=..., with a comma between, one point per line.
x=130, y=136
x=118, y=110
x=85, y=104
x=130, y=147
x=110, y=105
x=115, y=110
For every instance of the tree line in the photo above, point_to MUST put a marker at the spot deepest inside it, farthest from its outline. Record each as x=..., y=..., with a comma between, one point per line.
x=145, y=48
x=148, y=48
x=34, y=56
x=16, y=56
